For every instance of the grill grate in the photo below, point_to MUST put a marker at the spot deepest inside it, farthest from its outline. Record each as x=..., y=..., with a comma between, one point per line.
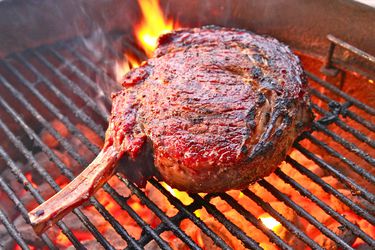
x=40, y=85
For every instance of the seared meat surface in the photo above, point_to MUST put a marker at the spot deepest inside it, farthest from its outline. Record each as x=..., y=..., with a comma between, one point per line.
x=219, y=108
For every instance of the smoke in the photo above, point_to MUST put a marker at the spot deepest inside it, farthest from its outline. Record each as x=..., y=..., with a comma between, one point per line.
x=104, y=50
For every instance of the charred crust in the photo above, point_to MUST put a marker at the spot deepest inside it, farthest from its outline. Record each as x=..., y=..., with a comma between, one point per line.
x=244, y=149
x=256, y=72
x=288, y=120
x=260, y=149
x=252, y=124
x=269, y=83
x=204, y=110
x=39, y=213
x=251, y=115
x=300, y=125
x=258, y=57
x=261, y=99
x=267, y=117
x=278, y=132
x=136, y=76
x=196, y=120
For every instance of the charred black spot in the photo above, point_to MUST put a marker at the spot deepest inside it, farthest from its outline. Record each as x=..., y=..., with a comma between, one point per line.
x=256, y=72
x=278, y=132
x=270, y=62
x=299, y=125
x=166, y=38
x=268, y=83
x=261, y=99
x=287, y=120
x=203, y=110
x=283, y=153
x=244, y=150
x=258, y=58
x=260, y=149
x=268, y=117
x=39, y=213
x=251, y=114
x=252, y=124
x=197, y=120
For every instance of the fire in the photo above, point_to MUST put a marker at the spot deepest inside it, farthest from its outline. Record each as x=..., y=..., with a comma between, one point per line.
x=123, y=67
x=182, y=196
x=269, y=222
x=152, y=26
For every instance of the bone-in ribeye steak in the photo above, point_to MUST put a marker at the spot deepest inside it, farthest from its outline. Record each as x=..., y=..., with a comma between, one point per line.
x=218, y=107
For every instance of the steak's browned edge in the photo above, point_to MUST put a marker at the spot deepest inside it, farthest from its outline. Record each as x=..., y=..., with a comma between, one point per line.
x=220, y=108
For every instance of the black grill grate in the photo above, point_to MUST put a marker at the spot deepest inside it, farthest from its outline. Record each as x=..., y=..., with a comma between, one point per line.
x=60, y=82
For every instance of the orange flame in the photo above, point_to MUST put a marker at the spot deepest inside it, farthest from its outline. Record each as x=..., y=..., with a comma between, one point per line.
x=121, y=68
x=182, y=196
x=147, y=32
x=152, y=26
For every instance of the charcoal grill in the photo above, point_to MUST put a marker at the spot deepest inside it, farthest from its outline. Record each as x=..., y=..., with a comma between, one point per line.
x=60, y=81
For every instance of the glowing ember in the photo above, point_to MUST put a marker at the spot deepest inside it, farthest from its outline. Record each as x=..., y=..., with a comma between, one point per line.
x=269, y=222
x=182, y=196
x=152, y=26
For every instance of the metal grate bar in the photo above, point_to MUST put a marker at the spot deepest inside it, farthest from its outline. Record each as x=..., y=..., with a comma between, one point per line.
x=74, y=87
x=67, y=101
x=91, y=65
x=12, y=230
x=359, y=135
x=303, y=213
x=341, y=219
x=162, y=227
x=363, y=173
x=70, y=64
x=344, y=179
x=329, y=189
x=256, y=222
x=232, y=228
x=190, y=215
x=346, y=112
x=348, y=145
x=78, y=72
x=286, y=223
x=108, y=217
x=175, y=229
x=72, y=129
x=162, y=243
x=27, y=186
x=341, y=93
x=360, y=120
x=63, y=168
x=114, y=223
x=43, y=172
x=20, y=207
x=336, y=41
x=44, y=122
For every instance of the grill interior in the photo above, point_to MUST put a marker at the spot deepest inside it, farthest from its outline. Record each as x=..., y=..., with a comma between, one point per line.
x=60, y=82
